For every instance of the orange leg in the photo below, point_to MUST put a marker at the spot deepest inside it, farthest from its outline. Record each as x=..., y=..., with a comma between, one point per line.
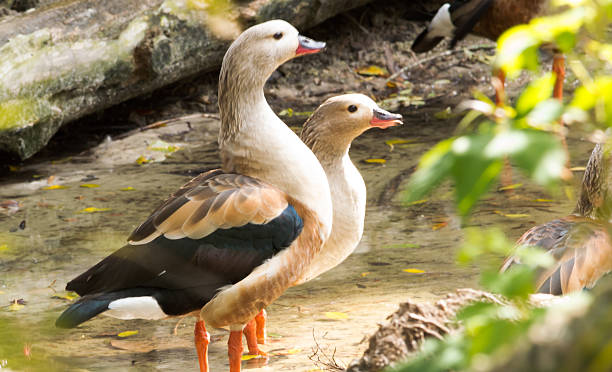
x=202, y=339
x=260, y=319
x=498, y=84
x=250, y=332
x=234, y=350
x=559, y=70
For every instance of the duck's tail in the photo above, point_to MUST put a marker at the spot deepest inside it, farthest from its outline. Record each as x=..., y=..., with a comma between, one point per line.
x=441, y=26
x=84, y=309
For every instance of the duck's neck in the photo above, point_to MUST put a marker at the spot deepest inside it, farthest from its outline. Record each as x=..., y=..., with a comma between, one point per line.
x=253, y=141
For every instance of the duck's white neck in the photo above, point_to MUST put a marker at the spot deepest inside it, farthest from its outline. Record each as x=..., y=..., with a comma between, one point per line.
x=253, y=141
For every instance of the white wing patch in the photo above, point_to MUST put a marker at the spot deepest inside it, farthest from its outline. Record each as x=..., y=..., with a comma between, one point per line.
x=145, y=307
x=441, y=24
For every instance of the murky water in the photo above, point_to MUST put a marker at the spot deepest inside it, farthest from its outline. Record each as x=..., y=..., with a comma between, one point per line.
x=63, y=236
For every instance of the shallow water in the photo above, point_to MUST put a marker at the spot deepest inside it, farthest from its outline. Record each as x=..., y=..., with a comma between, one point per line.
x=60, y=240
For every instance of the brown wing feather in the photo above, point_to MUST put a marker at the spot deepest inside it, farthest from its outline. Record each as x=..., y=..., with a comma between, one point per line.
x=211, y=201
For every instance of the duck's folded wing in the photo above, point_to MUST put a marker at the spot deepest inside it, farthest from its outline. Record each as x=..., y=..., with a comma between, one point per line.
x=212, y=232
x=584, y=256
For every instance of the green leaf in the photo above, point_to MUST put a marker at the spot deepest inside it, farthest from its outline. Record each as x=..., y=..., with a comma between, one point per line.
x=545, y=112
x=536, y=92
x=434, y=166
x=516, y=282
x=540, y=155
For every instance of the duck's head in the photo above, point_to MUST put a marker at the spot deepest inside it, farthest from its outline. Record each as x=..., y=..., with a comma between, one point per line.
x=262, y=48
x=339, y=120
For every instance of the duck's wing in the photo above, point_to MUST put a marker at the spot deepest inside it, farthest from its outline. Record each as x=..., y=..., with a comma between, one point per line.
x=581, y=249
x=581, y=258
x=454, y=20
x=212, y=232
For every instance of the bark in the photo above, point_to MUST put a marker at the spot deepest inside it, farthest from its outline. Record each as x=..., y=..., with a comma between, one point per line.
x=71, y=58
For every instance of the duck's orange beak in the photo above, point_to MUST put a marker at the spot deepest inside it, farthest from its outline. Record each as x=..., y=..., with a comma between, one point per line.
x=308, y=46
x=385, y=119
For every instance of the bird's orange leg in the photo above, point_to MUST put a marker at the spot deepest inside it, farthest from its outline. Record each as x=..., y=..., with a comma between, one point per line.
x=260, y=319
x=559, y=70
x=500, y=97
x=234, y=350
x=250, y=332
x=202, y=339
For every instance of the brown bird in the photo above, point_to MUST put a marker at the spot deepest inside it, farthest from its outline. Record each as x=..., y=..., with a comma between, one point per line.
x=486, y=18
x=581, y=243
x=232, y=240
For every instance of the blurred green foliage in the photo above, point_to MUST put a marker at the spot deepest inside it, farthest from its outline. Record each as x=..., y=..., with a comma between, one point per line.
x=528, y=135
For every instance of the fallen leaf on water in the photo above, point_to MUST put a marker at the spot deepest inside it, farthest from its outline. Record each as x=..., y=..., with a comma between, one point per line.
x=127, y=333
x=335, y=315
x=163, y=146
x=438, y=226
x=274, y=335
x=142, y=160
x=93, y=210
x=417, y=202
x=3, y=247
x=413, y=271
x=375, y=161
x=543, y=200
x=13, y=168
x=129, y=188
x=55, y=187
x=510, y=187
x=372, y=70
x=17, y=304
x=249, y=357
x=512, y=215
x=89, y=185
x=69, y=296
x=293, y=351
x=391, y=84
x=577, y=169
x=393, y=142
x=363, y=275
x=132, y=345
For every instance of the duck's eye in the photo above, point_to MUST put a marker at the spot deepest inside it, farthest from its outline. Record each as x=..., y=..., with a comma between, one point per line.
x=278, y=35
x=352, y=108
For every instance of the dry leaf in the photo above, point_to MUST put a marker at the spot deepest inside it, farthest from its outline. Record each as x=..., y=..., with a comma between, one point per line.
x=335, y=315
x=127, y=333
x=249, y=357
x=89, y=185
x=544, y=200
x=577, y=169
x=510, y=187
x=93, y=210
x=438, y=226
x=375, y=161
x=55, y=187
x=413, y=271
x=393, y=142
x=417, y=202
x=129, y=188
x=363, y=275
x=142, y=160
x=69, y=296
x=373, y=70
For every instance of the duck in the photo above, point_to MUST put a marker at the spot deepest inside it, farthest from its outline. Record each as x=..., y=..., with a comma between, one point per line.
x=232, y=240
x=580, y=243
x=489, y=19
x=329, y=132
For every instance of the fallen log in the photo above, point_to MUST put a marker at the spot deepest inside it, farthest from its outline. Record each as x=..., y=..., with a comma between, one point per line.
x=68, y=59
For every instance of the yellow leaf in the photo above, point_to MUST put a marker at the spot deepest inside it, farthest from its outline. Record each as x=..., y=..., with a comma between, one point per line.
x=511, y=187
x=438, y=226
x=293, y=351
x=516, y=215
x=392, y=142
x=376, y=161
x=249, y=357
x=142, y=160
x=70, y=296
x=127, y=333
x=15, y=306
x=3, y=247
x=162, y=146
x=444, y=114
x=413, y=271
x=93, y=210
x=129, y=188
x=13, y=168
x=363, y=275
x=391, y=84
x=544, y=200
x=372, y=71
x=577, y=169
x=417, y=202
x=55, y=187
x=89, y=185
x=335, y=315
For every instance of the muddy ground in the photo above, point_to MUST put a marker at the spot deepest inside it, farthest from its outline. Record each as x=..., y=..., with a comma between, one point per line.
x=367, y=287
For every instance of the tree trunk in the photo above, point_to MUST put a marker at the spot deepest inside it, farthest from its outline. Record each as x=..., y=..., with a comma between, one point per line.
x=68, y=59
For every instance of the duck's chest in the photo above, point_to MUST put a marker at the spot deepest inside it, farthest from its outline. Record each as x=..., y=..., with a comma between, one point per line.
x=504, y=14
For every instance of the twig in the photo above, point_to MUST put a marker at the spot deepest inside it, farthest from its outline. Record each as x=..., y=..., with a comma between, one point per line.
x=329, y=363
x=350, y=18
x=163, y=123
x=446, y=53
